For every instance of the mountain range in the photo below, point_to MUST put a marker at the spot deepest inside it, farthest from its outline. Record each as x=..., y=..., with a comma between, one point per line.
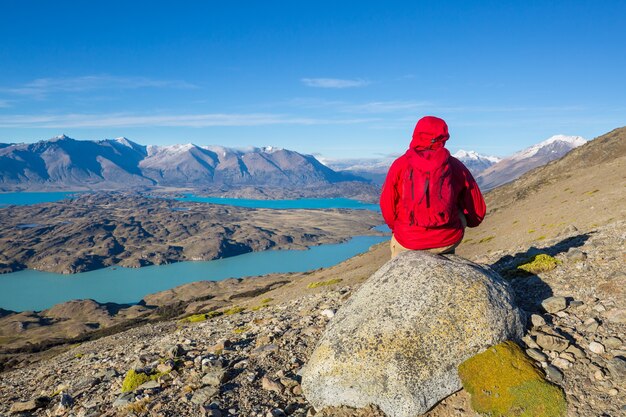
x=63, y=162
x=508, y=169
x=474, y=161
x=490, y=171
x=66, y=163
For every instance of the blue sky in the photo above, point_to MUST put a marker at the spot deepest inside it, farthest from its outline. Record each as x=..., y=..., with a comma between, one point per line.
x=338, y=78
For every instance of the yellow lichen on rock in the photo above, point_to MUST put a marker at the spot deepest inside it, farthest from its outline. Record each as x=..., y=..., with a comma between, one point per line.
x=503, y=381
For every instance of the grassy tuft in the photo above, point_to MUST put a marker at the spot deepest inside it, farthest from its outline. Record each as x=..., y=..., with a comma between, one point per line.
x=266, y=300
x=241, y=329
x=234, y=310
x=134, y=379
x=324, y=283
x=503, y=381
x=486, y=239
x=138, y=407
x=538, y=264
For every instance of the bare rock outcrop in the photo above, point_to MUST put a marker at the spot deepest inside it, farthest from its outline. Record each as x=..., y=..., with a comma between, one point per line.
x=398, y=341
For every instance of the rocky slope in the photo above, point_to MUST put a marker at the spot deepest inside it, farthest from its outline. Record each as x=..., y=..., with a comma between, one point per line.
x=65, y=163
x=246, y=362
x=102, y=229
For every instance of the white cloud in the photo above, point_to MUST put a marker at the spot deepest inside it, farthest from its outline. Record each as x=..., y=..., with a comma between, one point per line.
x=40, y=88
x=334, y=83
x=185, y=120
x=386, y=106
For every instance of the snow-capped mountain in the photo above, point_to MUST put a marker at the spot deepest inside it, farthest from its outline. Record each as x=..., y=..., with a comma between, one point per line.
x=523, y=161
x=63, y=162
x=474, y=161
x=375, y=169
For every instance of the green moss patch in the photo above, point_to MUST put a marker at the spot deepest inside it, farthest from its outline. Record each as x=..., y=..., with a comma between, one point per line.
x=538, y=264
x=486, y=239
x=503, y=381
x=324, y=283
x=134, y=379
x=234, y=310
x=240, y=330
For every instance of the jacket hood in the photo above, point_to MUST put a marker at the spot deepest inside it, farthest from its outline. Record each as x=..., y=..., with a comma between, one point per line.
x=427, y=159
x=430, y=133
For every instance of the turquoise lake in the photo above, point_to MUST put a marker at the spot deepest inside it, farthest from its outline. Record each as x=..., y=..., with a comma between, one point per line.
x=36, y=290
x=23, y=199
x=26, y=199
x=303, y=203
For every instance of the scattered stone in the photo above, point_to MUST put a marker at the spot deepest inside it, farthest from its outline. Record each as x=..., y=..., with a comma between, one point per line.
x=591, y=325
x=530, y=342
x=537, y=355
x=599, y=308
x=31, y=405
x=554, y=304
x=203, y=395
x=616, y=315
x=123, y=400
x=220, y=345
x=388, y=323
x=265, y=349
x=596, y=347
x=562, y=363
x=551, y=342
x=613, y=342
x=554, y=374
x=152, y=384
x=537, y=320
x=214, y=376
x=617, y=367
x=576, y=351
x=613, y=392
x=271, y=385
x=165, y=367
x=328, y=313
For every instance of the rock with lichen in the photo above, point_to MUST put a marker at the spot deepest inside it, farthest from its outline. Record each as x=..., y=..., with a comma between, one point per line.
x=503, y=381
x=398, y=341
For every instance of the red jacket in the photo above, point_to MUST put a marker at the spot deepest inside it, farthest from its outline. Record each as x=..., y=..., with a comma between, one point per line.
x=429, y=138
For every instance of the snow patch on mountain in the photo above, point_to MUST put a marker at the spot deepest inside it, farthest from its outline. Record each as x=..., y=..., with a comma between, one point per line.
x=569, y=141
x=463, y=155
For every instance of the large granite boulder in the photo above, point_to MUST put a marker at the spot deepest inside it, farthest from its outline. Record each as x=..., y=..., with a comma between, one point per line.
x=398, y=341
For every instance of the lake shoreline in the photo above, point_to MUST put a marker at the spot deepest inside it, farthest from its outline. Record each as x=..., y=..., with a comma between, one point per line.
x=98, y=230
x=76, y=321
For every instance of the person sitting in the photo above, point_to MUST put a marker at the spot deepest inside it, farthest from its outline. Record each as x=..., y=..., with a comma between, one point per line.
x=429, y=197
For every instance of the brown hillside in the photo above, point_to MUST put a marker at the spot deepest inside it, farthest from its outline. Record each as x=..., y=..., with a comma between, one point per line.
x=584, y=189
